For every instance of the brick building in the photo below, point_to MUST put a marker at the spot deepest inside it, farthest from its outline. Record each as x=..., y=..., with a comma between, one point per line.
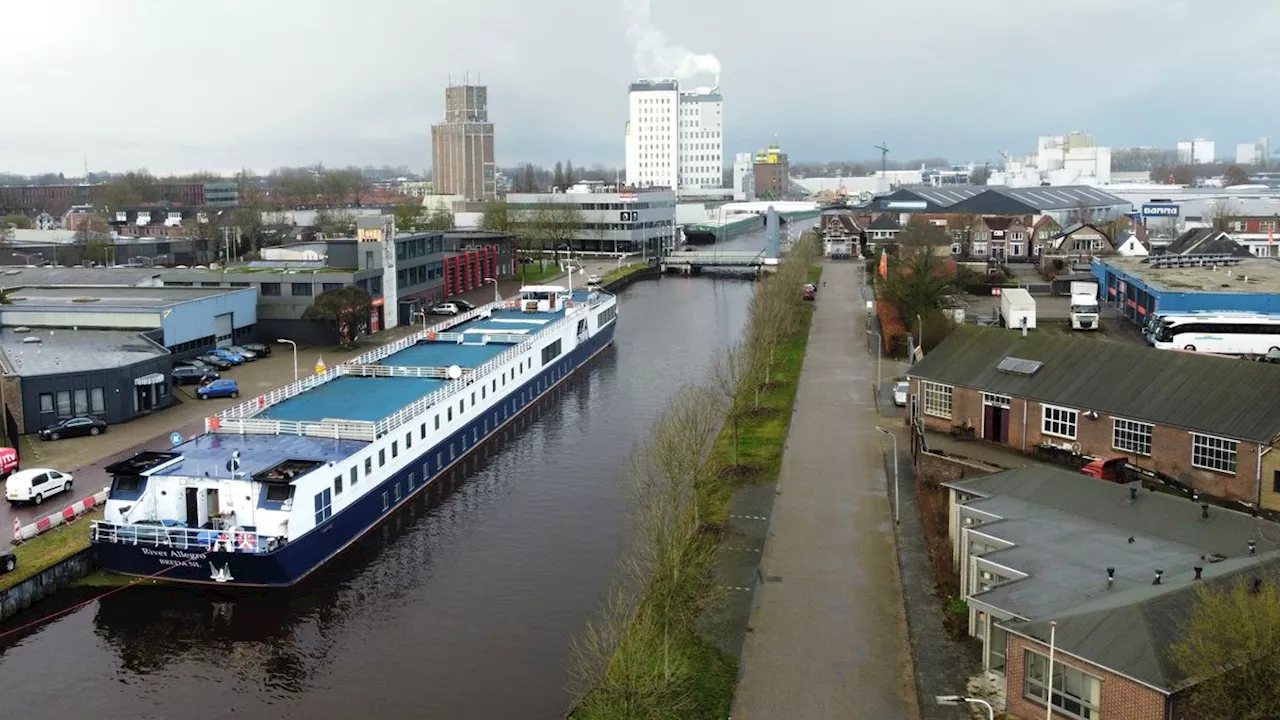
x=1114, y=566
x=1207, y=422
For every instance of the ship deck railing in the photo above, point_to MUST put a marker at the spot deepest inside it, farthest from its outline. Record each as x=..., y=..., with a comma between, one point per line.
x=193, y=540
x=242, y=419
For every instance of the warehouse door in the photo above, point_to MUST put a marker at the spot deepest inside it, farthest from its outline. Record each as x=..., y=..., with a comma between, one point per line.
x=223, y=330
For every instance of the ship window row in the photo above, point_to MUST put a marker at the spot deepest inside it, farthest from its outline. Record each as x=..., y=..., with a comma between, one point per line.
x=606, y=315
x=324, y=505
x=550, y=353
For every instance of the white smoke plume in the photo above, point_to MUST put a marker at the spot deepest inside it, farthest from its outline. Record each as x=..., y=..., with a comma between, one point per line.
x=654, y=57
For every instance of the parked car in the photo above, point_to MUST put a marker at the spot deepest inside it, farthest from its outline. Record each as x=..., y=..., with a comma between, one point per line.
x=445, y=309
x=231, y=357
x=463, y=305
x=217, y=389
x=260, y=349
x=244, y=352
x=215, y=361
x=194, y=363
x=74, y=427
x=900, y=391
x=593, y=279
x=35, y=485
x=187, y=375
x=8, y=562
x=8, y=461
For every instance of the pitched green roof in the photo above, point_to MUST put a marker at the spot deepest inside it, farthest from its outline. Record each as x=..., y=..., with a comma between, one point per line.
x=1218, y=396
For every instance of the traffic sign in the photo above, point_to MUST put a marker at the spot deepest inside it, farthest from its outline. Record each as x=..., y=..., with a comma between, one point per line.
x=175, y=437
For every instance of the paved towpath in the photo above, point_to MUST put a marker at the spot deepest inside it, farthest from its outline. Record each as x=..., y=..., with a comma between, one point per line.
x=829, y=634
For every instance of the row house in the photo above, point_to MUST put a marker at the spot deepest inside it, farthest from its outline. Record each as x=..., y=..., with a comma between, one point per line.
x=1198, y=419
x=162, y=221
x=1257, y=234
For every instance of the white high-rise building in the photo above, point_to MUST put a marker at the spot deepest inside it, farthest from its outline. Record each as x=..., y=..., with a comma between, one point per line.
x=1196, y=152
x=674, y=138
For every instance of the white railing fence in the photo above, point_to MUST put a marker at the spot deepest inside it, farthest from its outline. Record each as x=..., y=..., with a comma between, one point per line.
x=196, y=540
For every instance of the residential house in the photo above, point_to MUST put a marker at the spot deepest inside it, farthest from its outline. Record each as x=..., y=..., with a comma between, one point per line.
x=1199, y=419
x=1115, y=566
x=162, y=220
x=1005, y=237
x=1132, y=243
x=842, y=233
x=1043, y=229
x=1076, y=244
x=1206, y=241
x=1257, y=233
x=883, y=229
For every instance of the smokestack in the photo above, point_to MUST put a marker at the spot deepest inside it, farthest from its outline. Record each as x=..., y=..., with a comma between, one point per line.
x=1111, y=576
x=1159, y=574
x=1133, y=493
x=1204, y=510
x=1253, y=547
x=1198, y=570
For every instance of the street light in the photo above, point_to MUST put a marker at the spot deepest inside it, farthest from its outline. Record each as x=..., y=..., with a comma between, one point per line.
x=897, y=515
x=496, y=297
x=879, y=354
x=958, y=699
x=294, y=345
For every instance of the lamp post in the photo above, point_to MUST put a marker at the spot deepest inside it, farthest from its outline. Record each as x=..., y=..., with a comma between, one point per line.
x=294, y=345
x=897, y=515
x=879, y=354
x=957, y=699
x=497, y=298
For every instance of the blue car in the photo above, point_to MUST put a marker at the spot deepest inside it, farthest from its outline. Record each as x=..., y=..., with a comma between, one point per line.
x=233, y=358
x=218, y=389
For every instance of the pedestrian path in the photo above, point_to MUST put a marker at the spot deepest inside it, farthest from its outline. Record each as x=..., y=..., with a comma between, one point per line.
x=829, y=636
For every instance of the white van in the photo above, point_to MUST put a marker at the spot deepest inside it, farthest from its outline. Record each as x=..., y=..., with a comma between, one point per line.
x=35, y=485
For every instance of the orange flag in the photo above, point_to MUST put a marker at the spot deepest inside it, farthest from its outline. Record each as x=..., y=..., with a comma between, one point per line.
x=884, y=264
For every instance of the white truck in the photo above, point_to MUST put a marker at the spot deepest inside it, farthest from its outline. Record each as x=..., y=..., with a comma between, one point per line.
x=1017, y=309
x=1084, y=305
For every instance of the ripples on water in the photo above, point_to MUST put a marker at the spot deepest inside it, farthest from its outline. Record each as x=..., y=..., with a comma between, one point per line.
x=461, y=606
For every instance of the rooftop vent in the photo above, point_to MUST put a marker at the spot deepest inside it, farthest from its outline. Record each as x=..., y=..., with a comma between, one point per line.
x=22, y=329
x=1018, y=366
x=31, y=339
x=85, y=299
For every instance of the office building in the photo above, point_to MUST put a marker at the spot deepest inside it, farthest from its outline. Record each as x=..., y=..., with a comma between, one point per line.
x=462, y=157
x=612, y=219
x=772, y=173
x=744, y=177
x=674, y=137
x=1196, y=152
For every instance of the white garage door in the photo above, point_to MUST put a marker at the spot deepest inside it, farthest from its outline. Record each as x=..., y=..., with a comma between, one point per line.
x=223, y=329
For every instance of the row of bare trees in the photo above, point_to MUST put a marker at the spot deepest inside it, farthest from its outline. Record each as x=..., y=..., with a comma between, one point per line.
x=637, y=658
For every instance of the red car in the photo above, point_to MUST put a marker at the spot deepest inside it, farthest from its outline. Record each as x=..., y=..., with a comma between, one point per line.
x=8, y=461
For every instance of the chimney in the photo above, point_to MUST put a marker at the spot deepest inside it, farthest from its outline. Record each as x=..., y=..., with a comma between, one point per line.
x=1111, y=576
x=1133, y=493
x=1159, y=574
x=1198, y=570
x=1253, y=547
x=1204, y=510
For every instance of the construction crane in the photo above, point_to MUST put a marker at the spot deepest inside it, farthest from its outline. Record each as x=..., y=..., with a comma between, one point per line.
x=883, y=147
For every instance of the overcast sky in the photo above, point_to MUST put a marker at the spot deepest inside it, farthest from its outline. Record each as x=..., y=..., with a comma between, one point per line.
x=179, y=85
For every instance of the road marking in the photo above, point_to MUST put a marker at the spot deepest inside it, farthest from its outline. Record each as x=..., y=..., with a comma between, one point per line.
x=750, y=517
x=735, y=587
x=743, y=549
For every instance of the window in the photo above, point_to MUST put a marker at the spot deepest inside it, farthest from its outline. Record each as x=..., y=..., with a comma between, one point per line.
x=395, y=449
x=46, y=402
x=337, y=485
x=97, y=403
x=382, y=457
x=324, y=505
x=437, y=422
x=64, y=402
x=1132, y=436
x=397, y=492
x=270, y=289
x=368, y=466
x=355, y=476
x=422, y=431
x=81, y=402
x=385, y=504
x=937, y=399
x=1074, y=693
x=1213, y=453
x=448, y=414
x=300, y=289
x=1060, y=422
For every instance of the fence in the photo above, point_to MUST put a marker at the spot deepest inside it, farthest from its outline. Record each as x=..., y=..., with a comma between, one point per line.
x=22, y=533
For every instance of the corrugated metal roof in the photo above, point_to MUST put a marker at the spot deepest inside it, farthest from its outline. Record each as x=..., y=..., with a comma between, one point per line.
x=1219, y=396
x=948, y=196
x=1060, y=197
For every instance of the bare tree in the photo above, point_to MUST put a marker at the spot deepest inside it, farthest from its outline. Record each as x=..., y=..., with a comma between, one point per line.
x=554, y=223
x=1219, y=214
x=729, y=373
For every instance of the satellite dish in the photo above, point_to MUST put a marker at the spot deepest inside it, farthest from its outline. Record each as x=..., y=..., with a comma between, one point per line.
x=454, y=372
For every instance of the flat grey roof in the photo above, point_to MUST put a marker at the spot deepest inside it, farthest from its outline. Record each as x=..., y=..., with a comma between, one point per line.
x=110, y=297
x=15, y=276
x=1263, y=276
x=62, y=350
x=1068, y=528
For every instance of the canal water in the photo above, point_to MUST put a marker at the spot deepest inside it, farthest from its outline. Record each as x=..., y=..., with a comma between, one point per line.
x=462, y=606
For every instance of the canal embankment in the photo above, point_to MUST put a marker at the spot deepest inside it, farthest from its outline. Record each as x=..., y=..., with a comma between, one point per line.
x=665, y=642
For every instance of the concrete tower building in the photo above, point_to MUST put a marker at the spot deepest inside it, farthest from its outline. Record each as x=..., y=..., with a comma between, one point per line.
x=462, y=159
x=674, y=137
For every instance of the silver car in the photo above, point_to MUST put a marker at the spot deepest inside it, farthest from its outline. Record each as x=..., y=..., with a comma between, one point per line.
x=900, y=391
x=244, y=352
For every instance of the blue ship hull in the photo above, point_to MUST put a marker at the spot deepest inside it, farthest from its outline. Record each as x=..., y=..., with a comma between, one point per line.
x=294, y=561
